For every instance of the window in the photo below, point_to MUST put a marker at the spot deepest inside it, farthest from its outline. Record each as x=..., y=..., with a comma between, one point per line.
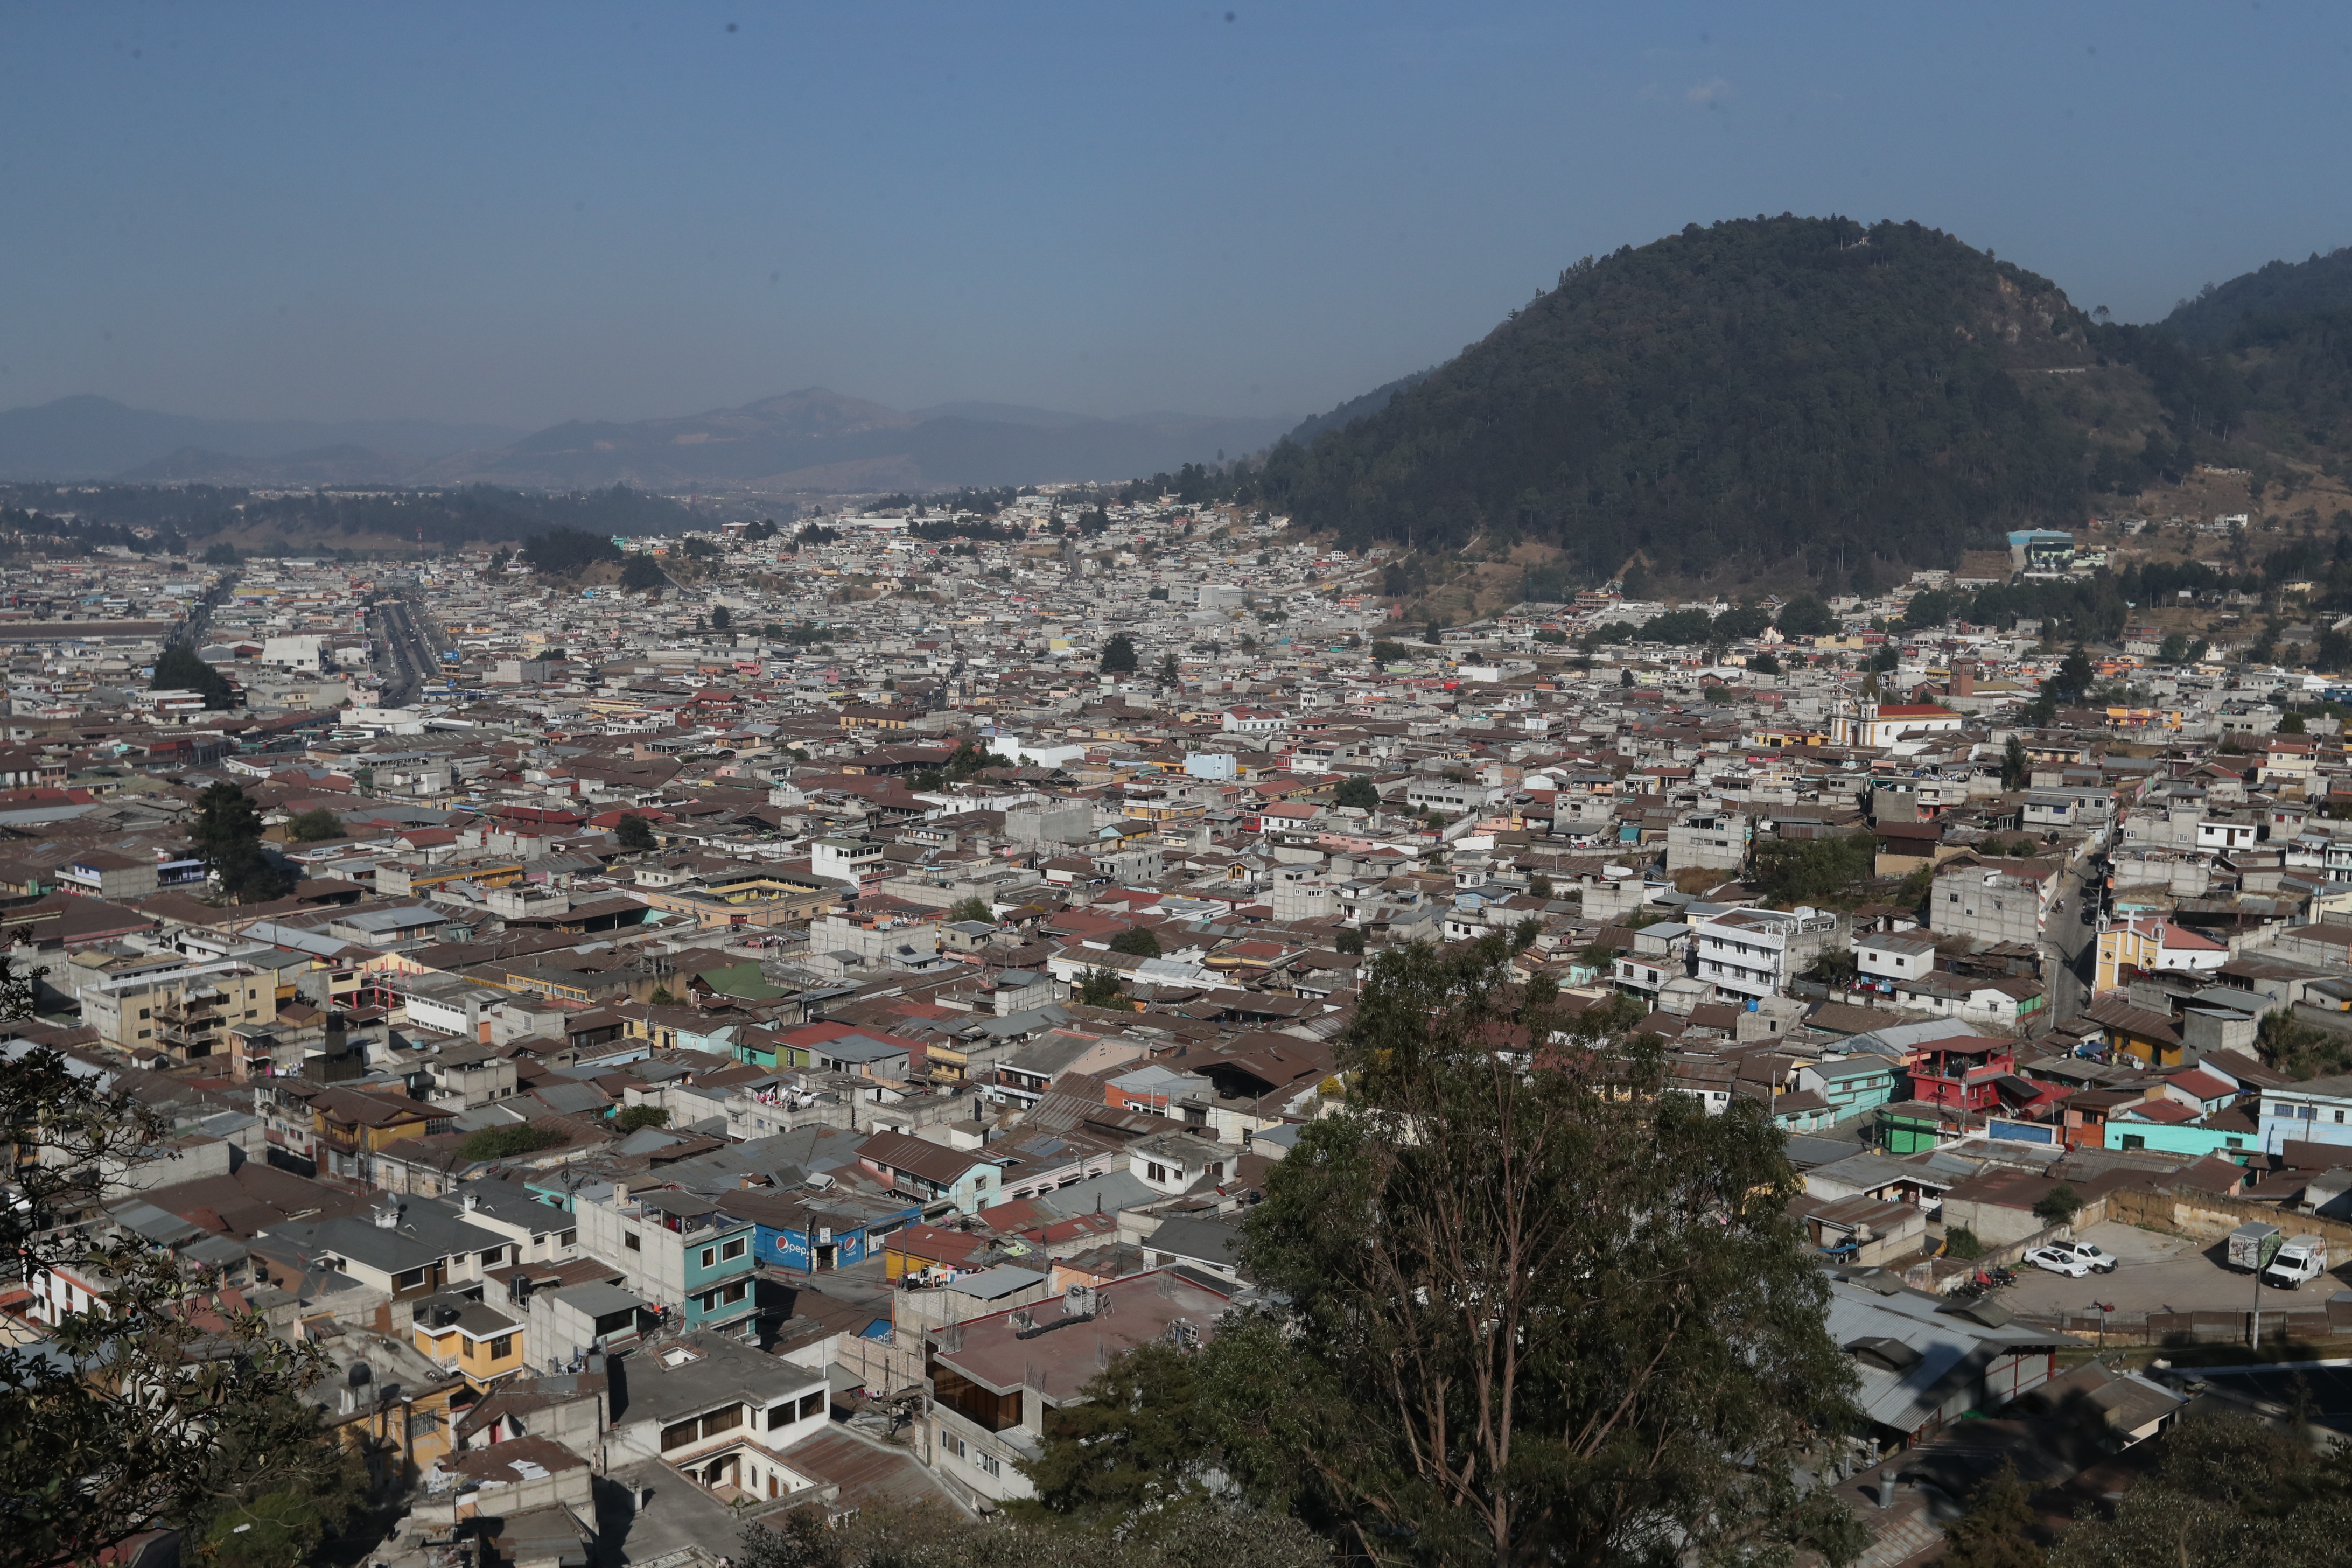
x=679, y=1436
x=408, y=1279
x=629, y=1241
x=720, y=1421
x=490, y=1258
x=733, y=1293
x=812, y=1404
x=780, y=1415
x=952, y=1444
x=1155, y=1172
x=2135, y=1141
x=990, y=1465
x=501, y=1347
x=146, y=1013
x=733, y=1248
x=709, y=1256
x=569, y=1238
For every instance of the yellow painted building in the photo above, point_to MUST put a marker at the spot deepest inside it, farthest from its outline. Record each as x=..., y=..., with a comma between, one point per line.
x=478, y=1342
x=754, y=901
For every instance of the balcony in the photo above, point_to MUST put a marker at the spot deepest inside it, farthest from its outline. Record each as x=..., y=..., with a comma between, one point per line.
x=192, y=1025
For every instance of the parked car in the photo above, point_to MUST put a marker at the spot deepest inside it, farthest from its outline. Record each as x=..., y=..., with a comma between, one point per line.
x=2090, y=915
x=2101, y=1262
x=2058, y=1261
x=2301, y=1258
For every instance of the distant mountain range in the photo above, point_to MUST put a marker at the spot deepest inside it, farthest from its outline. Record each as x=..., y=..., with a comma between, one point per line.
x=97, y=437
x=809, y=441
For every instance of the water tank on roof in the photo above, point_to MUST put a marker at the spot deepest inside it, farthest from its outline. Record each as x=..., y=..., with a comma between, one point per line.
x=358, y=1374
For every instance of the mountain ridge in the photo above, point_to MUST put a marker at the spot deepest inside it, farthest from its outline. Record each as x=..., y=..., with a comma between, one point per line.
x=87, y=436
x=812, y=439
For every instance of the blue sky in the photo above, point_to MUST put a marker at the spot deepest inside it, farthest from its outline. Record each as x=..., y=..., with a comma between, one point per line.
x=528, y=213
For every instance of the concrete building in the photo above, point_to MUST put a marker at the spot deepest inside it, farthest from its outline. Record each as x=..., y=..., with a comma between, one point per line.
x=1749, y=952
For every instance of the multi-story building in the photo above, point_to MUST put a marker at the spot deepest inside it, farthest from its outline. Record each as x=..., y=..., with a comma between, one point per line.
x=2154, y=944
x=1962, y=1070
x=2006, y=900
x=677, y=1249
x=2317, y=1111
x=1751, y=953
x=995, y=1381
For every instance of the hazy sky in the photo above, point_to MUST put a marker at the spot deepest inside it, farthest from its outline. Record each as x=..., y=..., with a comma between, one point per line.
x=530, y=213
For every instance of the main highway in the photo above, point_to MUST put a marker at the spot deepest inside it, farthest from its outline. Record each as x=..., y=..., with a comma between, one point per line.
x=407, y=651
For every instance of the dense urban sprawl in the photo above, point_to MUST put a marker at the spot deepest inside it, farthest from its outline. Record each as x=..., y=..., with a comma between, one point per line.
x=810, y=978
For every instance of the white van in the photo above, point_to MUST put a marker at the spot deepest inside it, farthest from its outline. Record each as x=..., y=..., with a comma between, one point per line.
x=2300, y=1258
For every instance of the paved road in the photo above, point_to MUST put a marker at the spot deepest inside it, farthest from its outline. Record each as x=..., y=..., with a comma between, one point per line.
x=409, y=656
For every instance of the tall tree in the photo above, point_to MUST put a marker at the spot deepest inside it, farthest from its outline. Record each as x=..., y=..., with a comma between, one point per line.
x=1201, y=1536
x=2000, y=1529
x=2230, y=1490
x=2076, y=674
x=179, y=670
x=1101, y=988
x=225, y=833
x=1138, y=941
x=2016, y=767
x=162, y=1402
x=1118, y=655
x=1806, y=616
x=1538, y=1307
x=634, y=832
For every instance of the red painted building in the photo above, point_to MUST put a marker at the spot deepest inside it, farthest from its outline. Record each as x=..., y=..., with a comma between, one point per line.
x=1963, y=1071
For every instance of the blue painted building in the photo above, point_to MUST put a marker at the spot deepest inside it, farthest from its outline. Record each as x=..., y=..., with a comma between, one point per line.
x=2317, y=1111
x=812, y=1233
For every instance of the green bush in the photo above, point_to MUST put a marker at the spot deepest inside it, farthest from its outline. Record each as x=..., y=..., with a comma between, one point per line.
x=506, y=1143
x=313, y=826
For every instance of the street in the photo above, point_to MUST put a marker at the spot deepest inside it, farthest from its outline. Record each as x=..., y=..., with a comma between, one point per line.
x=408, y=650
x=2070, y=948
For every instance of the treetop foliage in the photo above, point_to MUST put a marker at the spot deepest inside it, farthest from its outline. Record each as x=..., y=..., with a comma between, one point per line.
x=170, y=1405
x=447, y=518
x=1531, y=1306
x=179, y=670
x=560, y=551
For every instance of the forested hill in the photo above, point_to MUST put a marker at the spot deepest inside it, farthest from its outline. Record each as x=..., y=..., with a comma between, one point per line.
x=2322, y=285
x=1753, y=391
